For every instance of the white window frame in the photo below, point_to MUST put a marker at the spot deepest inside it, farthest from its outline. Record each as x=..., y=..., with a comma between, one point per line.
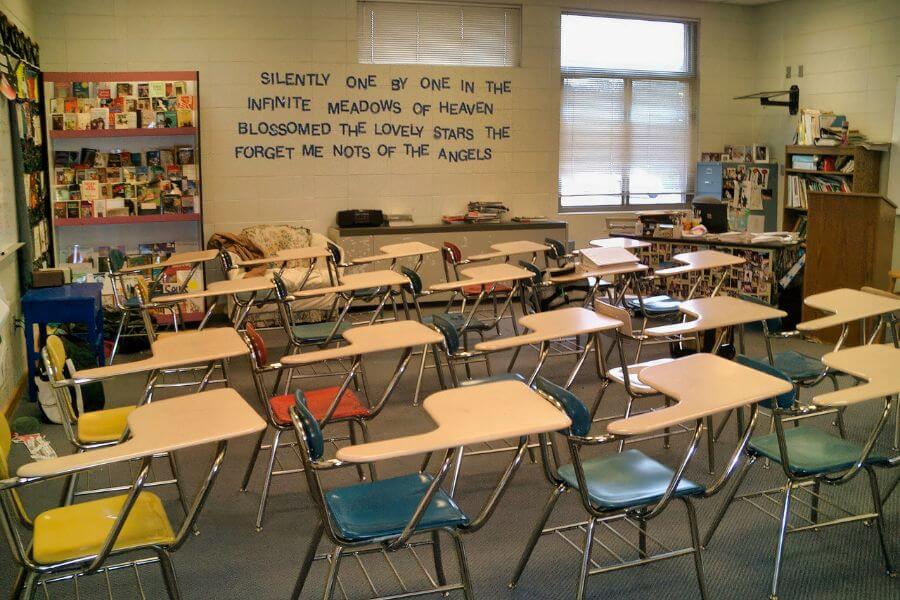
x=693, y=79
x=516, y=56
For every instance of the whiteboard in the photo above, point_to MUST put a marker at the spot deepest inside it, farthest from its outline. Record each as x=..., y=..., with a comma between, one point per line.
x=893, y=191
x=9, y=232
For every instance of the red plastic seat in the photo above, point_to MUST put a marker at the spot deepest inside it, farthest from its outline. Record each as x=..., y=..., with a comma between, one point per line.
x=474, y=290
x=318, y=402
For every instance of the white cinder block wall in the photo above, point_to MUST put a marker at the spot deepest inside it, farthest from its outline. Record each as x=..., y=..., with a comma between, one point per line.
x=230, y=41
x=12, y=358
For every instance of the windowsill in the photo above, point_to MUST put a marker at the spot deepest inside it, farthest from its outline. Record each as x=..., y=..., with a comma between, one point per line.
x=612, y=210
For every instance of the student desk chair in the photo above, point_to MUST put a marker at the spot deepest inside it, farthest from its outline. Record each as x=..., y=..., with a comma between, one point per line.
x=382, y=517
x=506, y=250
x=394, y=252
x=222, y=289
x=620, y=242
x=614, y=262
x=179, y=259
x=632, y=488
x=846, y=306
x=487, y=277
x=81, y=539
x=375, y=284
x=310, y=253
x=810, y=456
x=709, y=314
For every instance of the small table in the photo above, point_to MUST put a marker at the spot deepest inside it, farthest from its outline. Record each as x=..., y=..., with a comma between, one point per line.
x=394, y=252
x=73, y=303
x=505, y=250
x=544, y=327
x=164, y=426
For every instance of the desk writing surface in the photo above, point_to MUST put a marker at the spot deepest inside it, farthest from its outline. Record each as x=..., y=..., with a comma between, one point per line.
x=395, y=251
x=877, y=364
x=165, y=426
x=846, y=306
x=607, y=257
x=702, y=385
x=701, y=260
x=176, y=260
x=485, y=275
x=177, y=350
x=466, y=416
x=226, y=287
x=716, y=312
x=619, y=242
x=551, y=325
x=505, y=249
x=288, y=254
x=358, y=281
x=368, y=339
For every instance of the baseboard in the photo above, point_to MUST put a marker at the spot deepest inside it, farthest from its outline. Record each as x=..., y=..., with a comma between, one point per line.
x=12, y=403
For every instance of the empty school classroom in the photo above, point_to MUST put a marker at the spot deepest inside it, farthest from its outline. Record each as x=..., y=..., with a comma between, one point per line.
x=495, y=299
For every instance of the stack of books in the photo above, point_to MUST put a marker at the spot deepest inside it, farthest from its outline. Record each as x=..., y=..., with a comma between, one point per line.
x=799, y=185
x=485, y=212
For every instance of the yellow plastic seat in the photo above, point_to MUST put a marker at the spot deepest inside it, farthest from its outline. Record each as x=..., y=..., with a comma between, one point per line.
x=103, y=425
x=79, y=530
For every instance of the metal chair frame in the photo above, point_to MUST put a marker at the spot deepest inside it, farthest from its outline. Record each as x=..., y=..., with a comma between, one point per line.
x=32, y=574
x=810, y=485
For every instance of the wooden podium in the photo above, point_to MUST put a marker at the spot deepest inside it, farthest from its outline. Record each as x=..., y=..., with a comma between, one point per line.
x=850, y=242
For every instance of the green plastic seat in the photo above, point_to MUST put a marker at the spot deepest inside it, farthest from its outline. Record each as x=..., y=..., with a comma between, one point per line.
x=812, y=451
x=627, y=479
x=318, y=332
x=383, y=508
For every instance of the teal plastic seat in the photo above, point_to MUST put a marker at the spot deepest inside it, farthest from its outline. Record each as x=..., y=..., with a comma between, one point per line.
x=318, y=332
x=492, y=379
x=365, y=293
x=626, y=479
x=798, y=366
x=654, y=306
x=812, y=451
x=133, y=302
x=457, y=320
x=378, y=509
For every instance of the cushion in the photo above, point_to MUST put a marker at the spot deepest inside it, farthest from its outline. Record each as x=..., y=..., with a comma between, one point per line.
x=79, y=530
x=103, y=425
x=272, y=238
x=626, y=479
x=798, y=366
x=812, y=451
x=318, y=402
x=654, y=305
x=383, y=508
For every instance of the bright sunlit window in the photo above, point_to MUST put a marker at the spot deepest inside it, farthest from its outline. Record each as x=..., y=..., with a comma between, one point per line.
x=627, y=124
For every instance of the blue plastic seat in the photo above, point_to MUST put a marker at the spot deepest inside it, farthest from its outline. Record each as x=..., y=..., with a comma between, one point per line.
x=318, y=332
x=812, y=451
x=626, y=479
x=798, y=366
x=654, y=306
x=133, y=302
x=382, y=508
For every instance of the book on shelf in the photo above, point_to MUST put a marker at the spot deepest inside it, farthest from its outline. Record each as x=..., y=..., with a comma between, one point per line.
x=799, y=185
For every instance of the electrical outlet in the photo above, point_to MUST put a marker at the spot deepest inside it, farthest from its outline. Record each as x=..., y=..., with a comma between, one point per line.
x=800, y=71
x=787, y=72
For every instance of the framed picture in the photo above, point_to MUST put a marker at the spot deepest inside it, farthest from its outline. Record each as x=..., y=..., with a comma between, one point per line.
x=760, y=154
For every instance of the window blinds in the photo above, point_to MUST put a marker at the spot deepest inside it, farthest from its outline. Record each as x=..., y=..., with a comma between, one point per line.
x=439, y=33
x=626, y=120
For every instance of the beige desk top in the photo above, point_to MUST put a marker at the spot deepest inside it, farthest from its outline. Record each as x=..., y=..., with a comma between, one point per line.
x=176, y=260
x=702, y=385
x=607, y=257
x=716, y=312
x=177, y=350
x=618, y=242
x=846, y=306
x=466, y=416
x=485, y=275
x=395, y=251
x=369, y=339
x=551, y=325
x=877, y=364
x=288, y=254
x=165, y=426
x=358, y=281
x=225, y=287
x=701, y=261
x=505, y=249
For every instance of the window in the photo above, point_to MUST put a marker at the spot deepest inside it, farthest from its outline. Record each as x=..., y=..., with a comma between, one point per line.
x=627, y=112
x=439, y=33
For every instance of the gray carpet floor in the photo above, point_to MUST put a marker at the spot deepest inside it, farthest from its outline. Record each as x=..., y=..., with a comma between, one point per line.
x=229, y=559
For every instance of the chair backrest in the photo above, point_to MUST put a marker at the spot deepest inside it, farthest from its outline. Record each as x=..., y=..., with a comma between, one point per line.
x=5, y=445
x=258, y=351
x=569, y=403
x=56, y=352
x=227, y=261
x=336, y=252
x=615, y=312
x=557, y=249
x=415, y=281
x=314, y=442
x=536, y=274
x=116, y=260
x=451, y=253
x=451, y=336
x=785, y=400
x=281, y=291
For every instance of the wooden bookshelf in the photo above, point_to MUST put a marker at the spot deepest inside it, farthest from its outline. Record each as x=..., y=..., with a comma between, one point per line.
x=864, y=178
x=105, y=133
x=127, y=220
